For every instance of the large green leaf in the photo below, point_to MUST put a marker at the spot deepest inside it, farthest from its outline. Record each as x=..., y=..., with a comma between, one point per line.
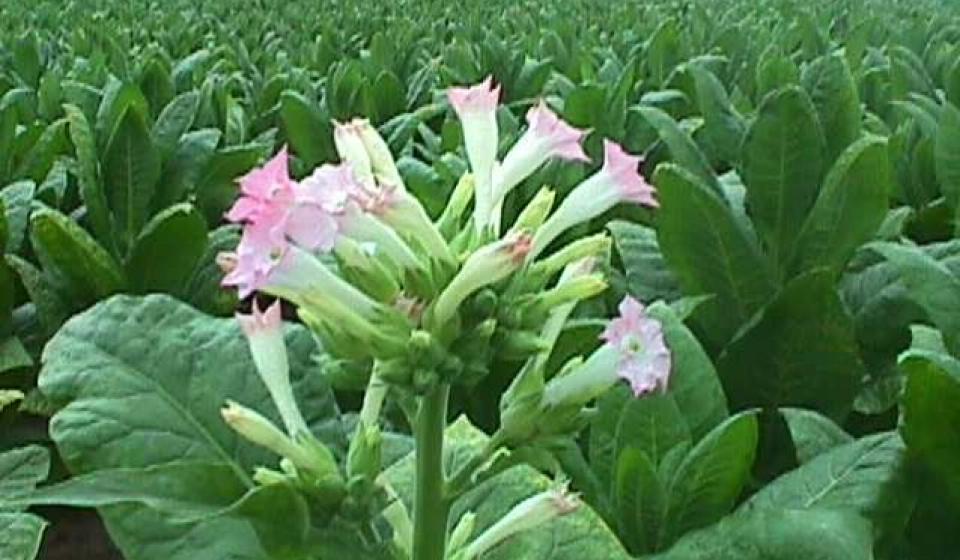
x=20, y=471
x=20, y=535
x=581, y=534
x=834, y=93
x=88, y=173
x=167, y=251
x=813, y=433
x=131, y=169
x=174, y=122
x=779, y=535
x=723, y=126
x=652, y=425
x=782, y=167
x=640, y=500
x=75, y=263
x=204, y=290
x=710, y=253
x=947, y=154
x=309, y=130
x=705, y=485
x=931, y=285
x=648, y=277
x=683, y=149
x=857, y=476
x=17, y=203
x=931, y=416
x=851, y=206
x=694, y=383
x=142, y=381
x=799, y=350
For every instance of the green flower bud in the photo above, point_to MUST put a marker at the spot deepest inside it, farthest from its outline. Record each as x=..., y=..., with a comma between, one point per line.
x=266, y=477
x=364, y=455
x=449, y=222
x=528, y=514
x=362, y=269
x=519, y=345
x=488, y=265
x=594, y=245
x=536, y=211
x=462, y=532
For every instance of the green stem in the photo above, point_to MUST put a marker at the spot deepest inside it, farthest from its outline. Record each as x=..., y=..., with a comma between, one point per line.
x=430, y=510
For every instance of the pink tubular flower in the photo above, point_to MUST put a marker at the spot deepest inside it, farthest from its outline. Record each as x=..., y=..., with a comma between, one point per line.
x=634, y=351
x=619, y=180
x=264, y=332
x=477, y=109
x=546, y=137
x=645, y=360
x=260, y=251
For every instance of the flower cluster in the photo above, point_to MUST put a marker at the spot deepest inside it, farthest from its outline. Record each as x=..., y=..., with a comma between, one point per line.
x=432, y=302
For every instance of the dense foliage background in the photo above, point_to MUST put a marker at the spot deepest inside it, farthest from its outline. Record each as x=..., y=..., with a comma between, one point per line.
x=807, y=158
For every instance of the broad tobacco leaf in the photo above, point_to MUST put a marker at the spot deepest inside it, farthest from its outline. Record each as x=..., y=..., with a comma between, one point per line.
x=780, y=534
x=20, y=471
x=579, y=535
x=142, y=381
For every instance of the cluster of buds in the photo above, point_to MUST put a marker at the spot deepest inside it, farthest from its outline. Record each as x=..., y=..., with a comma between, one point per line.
x=431, y=302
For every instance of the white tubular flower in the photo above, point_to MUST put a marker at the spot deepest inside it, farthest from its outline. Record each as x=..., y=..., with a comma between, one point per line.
x=264, y=332
x=531, y=513
x=546, y=137
x=477, y=109
x=618, y=181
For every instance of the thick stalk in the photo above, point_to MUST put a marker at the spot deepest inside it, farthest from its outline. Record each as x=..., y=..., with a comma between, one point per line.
x=430, y=510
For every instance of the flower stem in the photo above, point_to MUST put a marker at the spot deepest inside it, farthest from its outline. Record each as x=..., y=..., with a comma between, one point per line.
x=430, y=510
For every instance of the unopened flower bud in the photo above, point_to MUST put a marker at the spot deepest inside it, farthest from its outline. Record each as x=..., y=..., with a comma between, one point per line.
x=384, y=166
x=364, y=455
x=362, y=269
x=350, y=147
x=536, y=211
x=488, y=265
x=9, y=396
x=594, y=245
x=462, y=532
x=533, y=512
x=266, y=477
x=572, y=291
x=456, y=206
x=257, y=429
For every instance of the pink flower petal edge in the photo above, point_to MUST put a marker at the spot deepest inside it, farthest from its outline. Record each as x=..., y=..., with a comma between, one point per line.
x=623, y=170
x=261, y=321
x=482, y=97
x=563, y=139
